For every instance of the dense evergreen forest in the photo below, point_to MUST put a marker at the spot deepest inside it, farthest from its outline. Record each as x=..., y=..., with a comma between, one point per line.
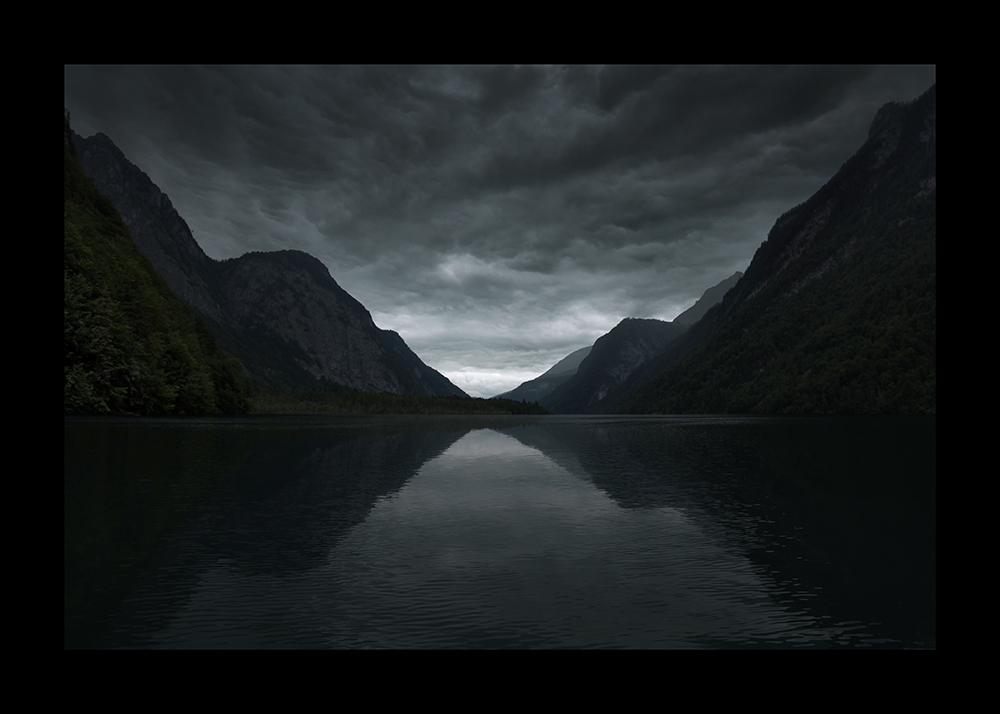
x=132, y=346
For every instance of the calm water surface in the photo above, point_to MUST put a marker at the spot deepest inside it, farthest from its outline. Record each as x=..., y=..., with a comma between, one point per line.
x=500, y=532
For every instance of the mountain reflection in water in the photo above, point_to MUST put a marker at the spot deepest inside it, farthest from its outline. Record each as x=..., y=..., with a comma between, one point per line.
x=535, y=532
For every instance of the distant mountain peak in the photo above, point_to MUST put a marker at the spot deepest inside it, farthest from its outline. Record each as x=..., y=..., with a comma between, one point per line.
x=708, y=300
x=540, y=388
x=614, y=358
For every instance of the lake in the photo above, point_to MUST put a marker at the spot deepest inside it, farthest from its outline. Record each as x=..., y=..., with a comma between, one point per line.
x=552, y=532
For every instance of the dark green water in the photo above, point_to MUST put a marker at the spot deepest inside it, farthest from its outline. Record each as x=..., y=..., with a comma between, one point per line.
x=500, y=532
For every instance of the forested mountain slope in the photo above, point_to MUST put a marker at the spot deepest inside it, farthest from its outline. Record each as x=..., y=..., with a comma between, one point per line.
x=837, y=311
x=280, y=312
x=132, y=346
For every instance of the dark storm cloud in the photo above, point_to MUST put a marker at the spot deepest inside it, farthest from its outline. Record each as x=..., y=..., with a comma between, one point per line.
x=497, y=217
x=637, y=114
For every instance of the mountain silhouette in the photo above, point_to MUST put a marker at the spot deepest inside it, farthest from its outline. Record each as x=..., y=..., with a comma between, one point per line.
x=604, y=375
x=623, y=352
x=281, y=313
x=836, y=313
x=539, y=387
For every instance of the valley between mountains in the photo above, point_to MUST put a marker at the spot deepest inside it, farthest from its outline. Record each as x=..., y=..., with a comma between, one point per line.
x=836, y=313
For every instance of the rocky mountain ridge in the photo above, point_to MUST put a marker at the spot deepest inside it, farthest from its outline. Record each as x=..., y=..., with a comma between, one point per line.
x=540, y=386
x=836, y=311
x=281, y=313
x=614, y=358
x=623, y=352
x=712, y=297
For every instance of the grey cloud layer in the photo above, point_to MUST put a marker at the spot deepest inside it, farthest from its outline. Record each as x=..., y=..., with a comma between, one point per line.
x=497, y=217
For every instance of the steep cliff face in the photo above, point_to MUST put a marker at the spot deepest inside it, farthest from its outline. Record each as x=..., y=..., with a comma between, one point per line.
x=414, y=375
x=813, y=238
x=157, y=228
x=625, y=354
x=540, y=387
x=289, y=297
x=836, y=313
x=606, y=371
x=706, y=302
x=281, y=313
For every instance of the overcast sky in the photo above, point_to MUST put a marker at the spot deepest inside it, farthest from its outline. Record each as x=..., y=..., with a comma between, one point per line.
x=501, y=217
